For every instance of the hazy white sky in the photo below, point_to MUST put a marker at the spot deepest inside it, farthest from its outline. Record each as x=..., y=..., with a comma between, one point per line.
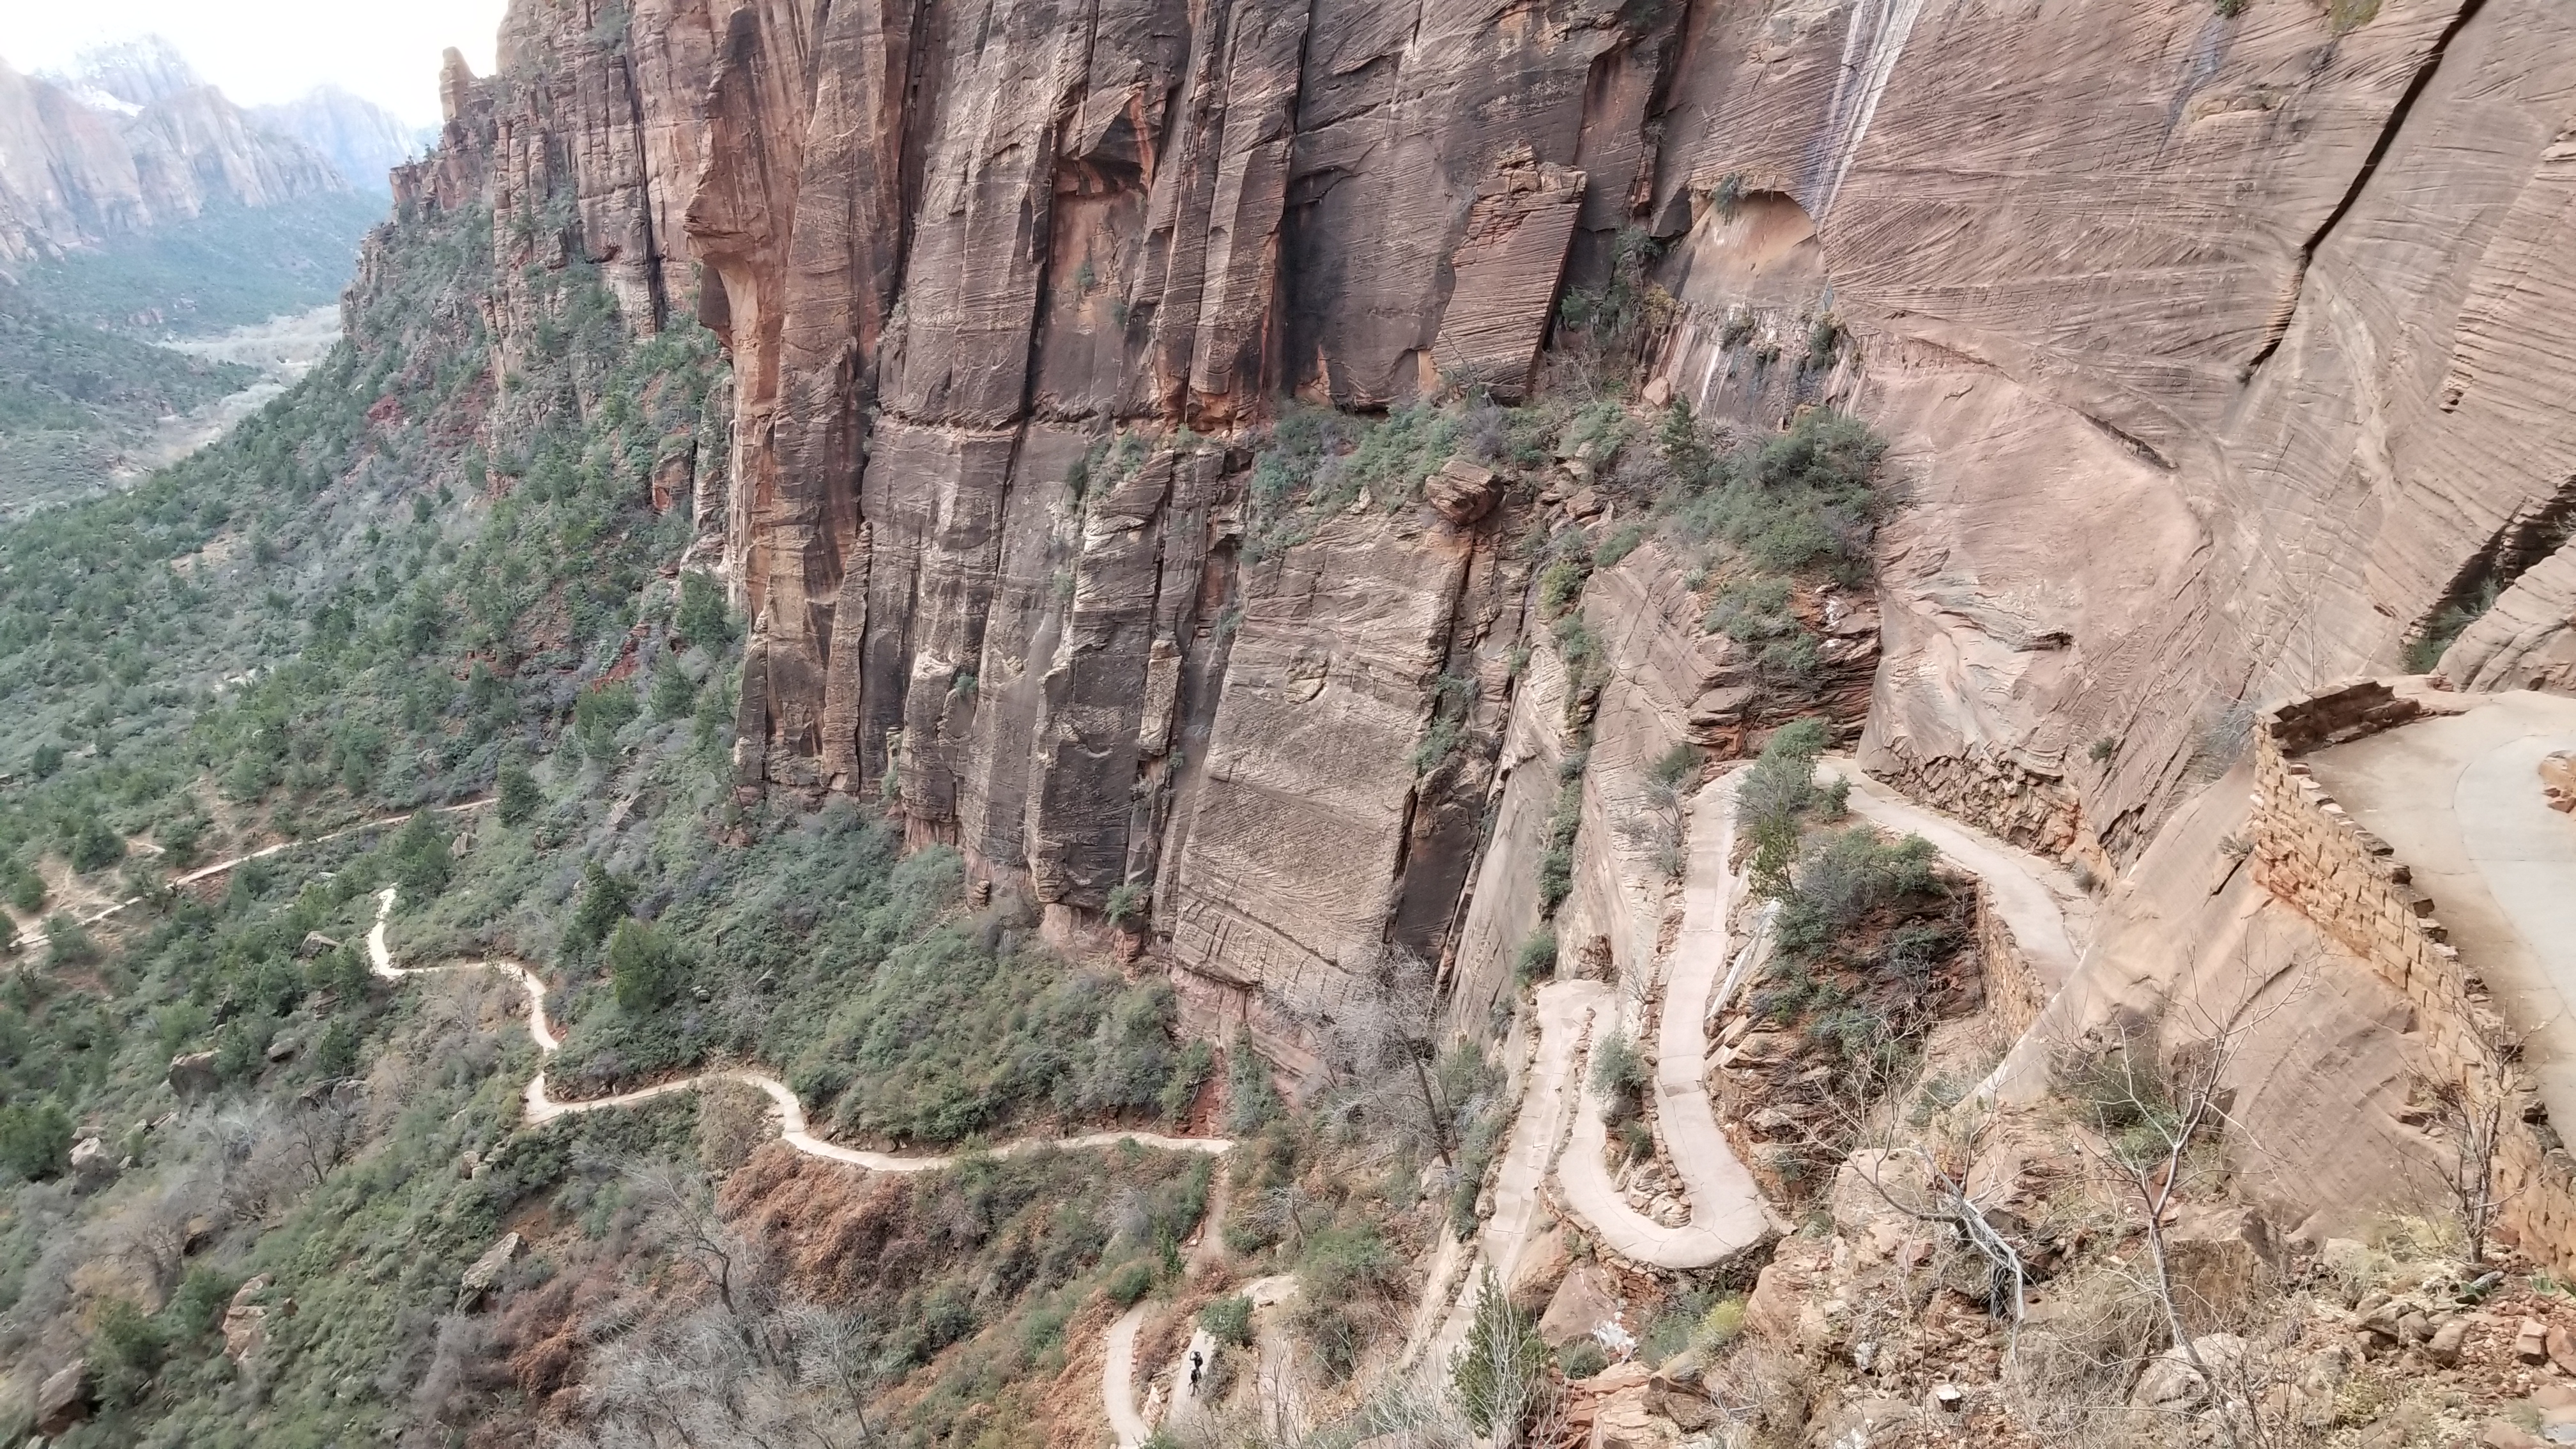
x=260, y=51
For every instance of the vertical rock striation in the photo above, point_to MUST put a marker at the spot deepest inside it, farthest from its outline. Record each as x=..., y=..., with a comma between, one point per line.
x=2216, y=350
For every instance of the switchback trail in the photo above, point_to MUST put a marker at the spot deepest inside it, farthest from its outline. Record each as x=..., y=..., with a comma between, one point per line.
x=204, y=872
x=1727, y=1214
x=1118, y=1370
x=793, y=1130
x=1118, y=1374
x=2037, y=900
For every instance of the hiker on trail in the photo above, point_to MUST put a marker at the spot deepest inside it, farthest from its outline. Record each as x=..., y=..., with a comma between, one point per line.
x=1196, y=1362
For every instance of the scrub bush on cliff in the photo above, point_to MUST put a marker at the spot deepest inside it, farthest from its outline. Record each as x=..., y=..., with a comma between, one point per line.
x=1806, y=500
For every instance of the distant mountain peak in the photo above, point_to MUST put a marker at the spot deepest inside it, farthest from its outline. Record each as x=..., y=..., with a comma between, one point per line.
x=361, y=139
x=137, y=72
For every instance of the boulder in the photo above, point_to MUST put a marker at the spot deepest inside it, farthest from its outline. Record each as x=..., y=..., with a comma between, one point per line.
x=2448, y=1340
x=192, y=1074
x=2531, y=1342
x=93, y=1165
x=1542, y=1266
x=1680, y=1373
x=1867, y=1422
x=485, y=1275
x=1463, y=491
x=2171, y=1384
x=1687, y=1409
x=2219, y=1254
x=2323, y=1372
x=1587, y=1299
x=2561, y=1347
x=1628, y=1419
x=2355, y=1266
x=2558, y=781
x=1776, y=1308
x=2503, y=1434
x=65, y=1399
x=245, y=1322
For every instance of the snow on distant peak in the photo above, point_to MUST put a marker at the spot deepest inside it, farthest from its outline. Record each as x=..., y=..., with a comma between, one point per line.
x=136, y=72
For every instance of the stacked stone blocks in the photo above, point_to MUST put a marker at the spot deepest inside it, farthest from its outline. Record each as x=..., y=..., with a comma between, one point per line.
x=2309, y=853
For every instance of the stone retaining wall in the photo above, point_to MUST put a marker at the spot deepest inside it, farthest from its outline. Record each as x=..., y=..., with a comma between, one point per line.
x=2041, y=813
x=2309, y=853
x=2013, y=989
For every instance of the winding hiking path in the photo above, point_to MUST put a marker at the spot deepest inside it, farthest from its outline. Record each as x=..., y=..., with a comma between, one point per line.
x=1727, y=1214
x=1547, y=1100
x=205, y=872
x=1118, y=1380
x=793, y=1130
x=1118, y=1370
x=2036, y=898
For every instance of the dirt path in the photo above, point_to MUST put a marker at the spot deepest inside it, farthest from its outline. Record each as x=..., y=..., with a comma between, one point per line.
x=1118, y=1369
x=790, y=1112
x=204, y=872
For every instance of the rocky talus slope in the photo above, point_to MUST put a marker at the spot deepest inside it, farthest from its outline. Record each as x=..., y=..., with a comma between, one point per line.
x=2216, y=350
x=135, y=142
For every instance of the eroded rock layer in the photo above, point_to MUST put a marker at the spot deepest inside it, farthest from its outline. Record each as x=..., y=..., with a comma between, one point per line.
x=2218, y=351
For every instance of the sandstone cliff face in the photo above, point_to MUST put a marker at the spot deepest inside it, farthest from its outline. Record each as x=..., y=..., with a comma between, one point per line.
x=157, y=147
x=2214, y=346
x=2216, y=350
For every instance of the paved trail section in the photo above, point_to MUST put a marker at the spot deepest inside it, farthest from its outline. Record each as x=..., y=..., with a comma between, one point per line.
x=1118, y=1391
x=2458, y=796
x=1727, y=1214
x=2037, y=899
x=1127, y=1418
x=1547, y=1100
x=790, y=1112
x=1118, y=1380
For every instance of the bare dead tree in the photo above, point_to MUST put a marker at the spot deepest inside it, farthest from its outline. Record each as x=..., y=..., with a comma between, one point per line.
x=684, y=1213
x=316, y=1135
x=2146, y=1107
x=152, y=1234
x=834, y=1354
x=1862, y=1127
x=2473, y=1113
x=1378, y=1049
x=1282, y=1210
